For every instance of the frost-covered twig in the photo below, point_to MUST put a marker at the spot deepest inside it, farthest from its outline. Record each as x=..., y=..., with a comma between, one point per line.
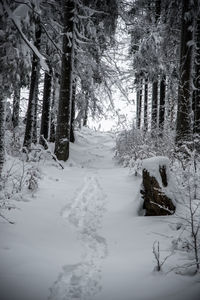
x=3, y=217
x=49, y=151
x=156, y=252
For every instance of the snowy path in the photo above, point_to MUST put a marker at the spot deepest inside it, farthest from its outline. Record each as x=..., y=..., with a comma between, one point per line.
x=81, y=238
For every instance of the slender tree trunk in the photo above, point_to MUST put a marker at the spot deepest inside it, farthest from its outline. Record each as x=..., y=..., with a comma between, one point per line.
x=139, y=104
x=196, y=93
x=16, y=107
x=45, y=119
x=64, y=109
x=85, y=117
x=162, y=103
x=28, y=137
x=146, y=105
x=154, y=111
x=72, y=137
x=2, y=132
x=53, y=112
x=157, y=9
x=183, y=126
x=34, y=136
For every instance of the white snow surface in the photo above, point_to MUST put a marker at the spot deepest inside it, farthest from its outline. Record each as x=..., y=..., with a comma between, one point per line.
x=80, y=237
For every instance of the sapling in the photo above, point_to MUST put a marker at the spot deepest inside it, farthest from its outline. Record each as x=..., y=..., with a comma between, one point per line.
x=156, y=253
x=189, y=192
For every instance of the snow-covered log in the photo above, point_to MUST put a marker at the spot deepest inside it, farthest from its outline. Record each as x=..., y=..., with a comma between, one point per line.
x=155, y=189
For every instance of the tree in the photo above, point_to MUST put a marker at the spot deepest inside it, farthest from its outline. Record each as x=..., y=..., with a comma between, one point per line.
x=154, y=109
x=72, y=137
x=196, y=92
x=139, y=104
x=32, y=102
x=45, y=119
x=16, y=107
x=162, y=104
x=65, y=98
x=183, y=125
x=146, y=105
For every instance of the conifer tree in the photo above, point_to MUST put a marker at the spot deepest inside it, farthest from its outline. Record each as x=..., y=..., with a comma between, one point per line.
x=65, y=98
x=32, y=102
x=184, y=125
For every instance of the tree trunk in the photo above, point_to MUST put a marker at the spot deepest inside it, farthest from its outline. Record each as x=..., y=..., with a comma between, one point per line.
x=64, y=109
x=34, y=136
x=45, y=119
x=183, y=126
x=85, y=117
x=53, y=112
x=139, y=104
x=2, y=132
x=146, y=105
x=157, y=9
x=154, y=111
x=16, y=107
x=162, y=104
x=196, y=93
x=28, y=137
x=72, y=137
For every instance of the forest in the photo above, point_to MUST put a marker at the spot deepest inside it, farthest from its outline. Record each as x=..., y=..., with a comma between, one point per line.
x=100, y=149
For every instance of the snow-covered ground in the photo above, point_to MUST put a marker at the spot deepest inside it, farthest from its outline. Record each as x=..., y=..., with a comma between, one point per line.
x=80, y=236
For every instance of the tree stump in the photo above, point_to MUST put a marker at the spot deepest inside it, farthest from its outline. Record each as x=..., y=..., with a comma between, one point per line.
x=155, y=182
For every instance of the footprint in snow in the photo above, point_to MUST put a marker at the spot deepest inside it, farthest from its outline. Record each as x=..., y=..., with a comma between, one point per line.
x=85, y=213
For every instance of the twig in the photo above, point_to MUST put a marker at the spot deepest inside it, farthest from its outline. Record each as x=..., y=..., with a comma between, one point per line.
x=10, y=222
x=49, y=151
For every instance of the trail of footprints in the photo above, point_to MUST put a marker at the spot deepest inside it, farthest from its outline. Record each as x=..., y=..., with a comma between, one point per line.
x=83, y=280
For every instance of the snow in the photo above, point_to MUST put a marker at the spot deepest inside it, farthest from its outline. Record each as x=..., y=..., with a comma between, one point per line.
x=16, y=19
x=80, y=236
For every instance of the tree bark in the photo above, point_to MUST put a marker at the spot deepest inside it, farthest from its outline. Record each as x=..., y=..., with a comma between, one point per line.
x=28, y=137
x=162, y=104
x=2, y=132
x=16, y=107
x=139, y=104
x=64, y=109
x=35, y=121
x=146, y=105
x=72, y=137
x=157, y=9
x=85, y=117
x=196, y=93
x=154, y=111
x=183, y=125
x=53, y=112
x=45, y=119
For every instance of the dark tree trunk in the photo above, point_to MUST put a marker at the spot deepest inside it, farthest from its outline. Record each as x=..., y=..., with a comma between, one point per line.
x=16, y=107
x=53, y=114
x=183, y=126
x=45, y=119
x=28, y=137
x=64, y=109
x=34, y=137
x=72, y=137
x=162, y=103
x=2, y=131
x=139, y=104
x=154, y=111
x=196, y=93
x=146, y=105
x=86, y=108
x=4, y=88
x=157, y=9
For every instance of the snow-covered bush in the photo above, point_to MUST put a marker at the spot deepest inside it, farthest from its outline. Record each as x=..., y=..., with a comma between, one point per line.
x=187, y=177
x=134, y=145
x=18, y=179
